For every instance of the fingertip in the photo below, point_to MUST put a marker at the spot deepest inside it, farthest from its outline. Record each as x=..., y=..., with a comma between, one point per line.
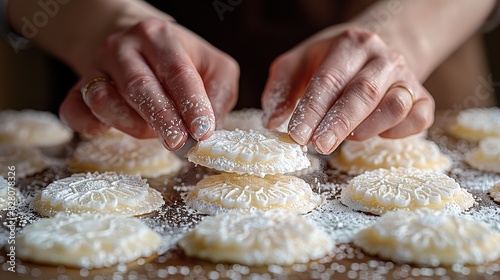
x=300, y=133
x=202, y=127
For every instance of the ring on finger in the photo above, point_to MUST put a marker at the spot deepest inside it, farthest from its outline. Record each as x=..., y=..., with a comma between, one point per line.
x=403, y=86
x=84, y=90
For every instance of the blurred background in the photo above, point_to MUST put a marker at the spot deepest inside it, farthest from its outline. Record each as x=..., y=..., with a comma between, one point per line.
x=254, y=35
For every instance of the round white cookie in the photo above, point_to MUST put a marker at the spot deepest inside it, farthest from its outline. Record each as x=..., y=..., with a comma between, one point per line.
x=257, y=238
x=486, y=157
x=250, y=152
x=147, y=158
x=108, y=193
x=87, y=241
x=495, y=192
x=426, y=237
x=218, y=193
x=32, y=128
x=26, y=160
x=382, y=190
x=356, y=157
x=10, y=196
x=477, y=123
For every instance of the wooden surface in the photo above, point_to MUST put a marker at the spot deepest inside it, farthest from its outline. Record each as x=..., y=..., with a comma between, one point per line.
x=347, y=263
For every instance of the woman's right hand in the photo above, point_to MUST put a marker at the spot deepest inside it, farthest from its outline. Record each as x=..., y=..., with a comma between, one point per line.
x=160, y=79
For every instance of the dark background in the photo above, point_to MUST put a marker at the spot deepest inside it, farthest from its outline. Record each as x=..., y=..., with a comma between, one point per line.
x=253, y=33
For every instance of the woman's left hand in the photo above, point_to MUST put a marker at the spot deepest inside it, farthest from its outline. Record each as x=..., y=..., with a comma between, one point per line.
x=343, y=83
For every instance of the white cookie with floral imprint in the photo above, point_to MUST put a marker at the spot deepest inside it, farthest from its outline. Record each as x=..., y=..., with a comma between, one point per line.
x=147, y=158
x=427, y=237
x=475, y=124
x=257, y=238
x=27, y=160
x=356, y=157
x=32, y=128
x=382, y=190
x=495, y=192
x=230, y=191
x=486, y=157
x=10, y=196
x=108, y=193
x=250, y=152
x=86, y=241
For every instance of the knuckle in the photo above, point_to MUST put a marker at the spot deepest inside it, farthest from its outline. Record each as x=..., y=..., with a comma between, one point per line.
x=367, y=90
x=399, y=104
x=148, y=27
x=231, y=64
x=140, y=83
x=177, y=72
x=330, y=81
x=342, y=123
x=361, y=37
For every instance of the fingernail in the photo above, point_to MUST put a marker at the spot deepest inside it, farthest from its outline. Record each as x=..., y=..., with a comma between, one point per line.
x=325, y=142
x=201, y=125
x=301, y=133
x=173, y=139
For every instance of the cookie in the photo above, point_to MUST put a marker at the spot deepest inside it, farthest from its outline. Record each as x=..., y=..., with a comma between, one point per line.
x=108, y=193
x=382, y=190
x=226, y=191
x=426, y=237
x=257, y=238
x=260, y=152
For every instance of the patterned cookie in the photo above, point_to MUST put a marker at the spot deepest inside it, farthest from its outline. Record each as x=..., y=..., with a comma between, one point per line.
x=356, y=157
x=146, y=158
x=257, y=238
x=32, y=128
x=107, y=193
x=426, y=237
x=87, y=241
x=486, y=157
x=476, y=123
x=10, y=196
x=218, y=193
x=316, y=165
x=250, y=152
x=383, y=190
x=26, y=160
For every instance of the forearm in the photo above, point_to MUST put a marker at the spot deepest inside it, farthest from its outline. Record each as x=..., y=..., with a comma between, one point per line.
x=425, y=31
x=73, y=31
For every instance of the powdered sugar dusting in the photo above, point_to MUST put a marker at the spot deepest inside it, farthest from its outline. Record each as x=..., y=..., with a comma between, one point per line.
x=175, y=219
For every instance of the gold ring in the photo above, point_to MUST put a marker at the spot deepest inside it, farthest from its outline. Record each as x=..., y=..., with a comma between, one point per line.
x=403, y=86
x=86, y=87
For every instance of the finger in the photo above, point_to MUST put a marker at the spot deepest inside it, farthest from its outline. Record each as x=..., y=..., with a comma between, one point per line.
x=221, y=85
x=392, y=110
x=180, y=78
x=420, y=118
x=358, y=101
x=140, y=88
x=108, y=106
x=345, y=59
x=283, y=89
x=76, y=115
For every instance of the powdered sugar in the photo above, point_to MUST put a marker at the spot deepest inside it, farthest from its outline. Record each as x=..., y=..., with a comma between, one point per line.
x=175, y=219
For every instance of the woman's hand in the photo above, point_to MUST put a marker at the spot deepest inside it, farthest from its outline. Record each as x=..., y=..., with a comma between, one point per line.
x=155, y=78
x=343, y=83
